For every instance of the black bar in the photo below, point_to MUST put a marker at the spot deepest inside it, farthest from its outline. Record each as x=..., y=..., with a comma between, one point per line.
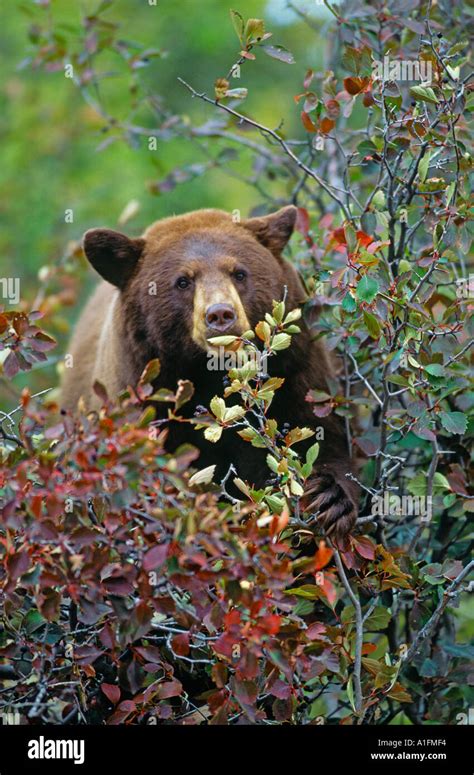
x=123, y=749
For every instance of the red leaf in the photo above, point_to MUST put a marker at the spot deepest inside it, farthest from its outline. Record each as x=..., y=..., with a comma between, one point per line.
x=271, y=623
x=18, y=564
x=308, y=124
x=364, y=546
x=326, y=124
x=150, y=653
x=280, y=689
x=127, y=705
x=219, y=674
x=118, y=586
x=100, y=391
x=363, y=238
x=180, y=644
x=232, y=617
x=106, y=636
x=11, y=367
x=323, y=410
x=282, y=710
x=41, y=342
x=245, y=691
x=354, y=85
x=112, y=692
x=169, y=689
x=86, y=655
x=333, y=108
x=315, y=631
x=457, y=479
x=155, y=557
x=329, y=590
x=123, y=711
x=302, y=221
x=322, y=556
x=368, y=648
x=48, y=604
x=338, y=236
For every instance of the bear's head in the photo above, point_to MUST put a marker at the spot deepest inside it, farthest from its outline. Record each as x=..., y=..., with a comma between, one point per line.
x=196, y=276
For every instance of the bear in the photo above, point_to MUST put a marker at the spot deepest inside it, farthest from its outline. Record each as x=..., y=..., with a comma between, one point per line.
x=212, y=276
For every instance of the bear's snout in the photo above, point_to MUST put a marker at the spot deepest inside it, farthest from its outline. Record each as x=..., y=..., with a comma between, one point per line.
x=220, y=317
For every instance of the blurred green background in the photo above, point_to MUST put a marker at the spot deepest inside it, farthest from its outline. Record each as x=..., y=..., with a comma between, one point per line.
x=50, y=137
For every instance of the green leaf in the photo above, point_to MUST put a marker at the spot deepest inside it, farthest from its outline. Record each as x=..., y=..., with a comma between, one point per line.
x=458, y=47
x=280, y=342
x=308, y=591
x=218, y=407
x=233, y=413
x=435, y=369
x=454, y=422
x=276, y=504
x=146, y=417
x=378, y=619
x=417, y=485
x=350, y=693
x=450, y=192
x=250, y=434
x=312, y=454
x=372, y=324
x=378, y=200
x=213, y=433
x=423, y=167
x=151, y=371
x=278, y=310
x=272, y=463
x=404, y=266
x=296, y=488
x=33, y=620
x=204, y=476
x=349, y=303
x=293, y=316
x=351, y=237
x=241, y=486
x=298, y=434
x=424, y=94
x=279, y=52
x=222, y=340
x=239, y=24
x=357, y=61
x=367, y=289
x=254, y=29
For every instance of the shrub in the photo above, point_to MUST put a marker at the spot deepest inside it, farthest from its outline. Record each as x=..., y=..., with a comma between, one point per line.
x=133, y=592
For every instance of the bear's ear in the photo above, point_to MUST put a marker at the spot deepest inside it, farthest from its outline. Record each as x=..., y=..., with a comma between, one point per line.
x=274, y=230
x=112, y=254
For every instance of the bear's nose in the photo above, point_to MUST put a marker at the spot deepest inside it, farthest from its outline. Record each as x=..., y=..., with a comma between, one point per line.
x=220, y=316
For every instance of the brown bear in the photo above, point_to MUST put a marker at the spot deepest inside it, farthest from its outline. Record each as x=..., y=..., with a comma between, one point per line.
x=211, y=276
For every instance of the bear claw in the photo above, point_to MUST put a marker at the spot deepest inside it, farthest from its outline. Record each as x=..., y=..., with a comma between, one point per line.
x=335, y=510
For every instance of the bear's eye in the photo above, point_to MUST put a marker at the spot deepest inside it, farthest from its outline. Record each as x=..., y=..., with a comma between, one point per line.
x=183, y=283
x=240, y=275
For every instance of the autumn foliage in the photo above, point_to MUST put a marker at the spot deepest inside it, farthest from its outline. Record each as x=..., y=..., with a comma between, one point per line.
x=135, y=590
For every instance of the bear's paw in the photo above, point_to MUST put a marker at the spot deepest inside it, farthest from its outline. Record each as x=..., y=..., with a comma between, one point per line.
x=332, y=504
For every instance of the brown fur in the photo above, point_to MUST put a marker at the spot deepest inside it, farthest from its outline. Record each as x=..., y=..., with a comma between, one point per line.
x=125, y=326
